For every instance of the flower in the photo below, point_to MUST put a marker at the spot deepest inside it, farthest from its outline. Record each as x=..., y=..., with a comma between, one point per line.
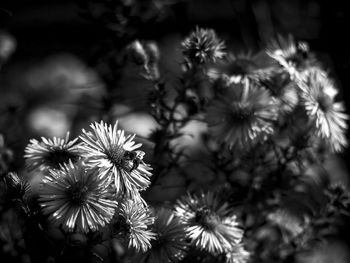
x=135, y=222
x=210, y=225
x=116, y=156
x=236, y=67
x=237, y=255
x=291, y=55
x=202, y=46
x=170, y=244
x=284, y=90
x=242, y=115
x=77, y=198
x=318, y=98
x=51, y=153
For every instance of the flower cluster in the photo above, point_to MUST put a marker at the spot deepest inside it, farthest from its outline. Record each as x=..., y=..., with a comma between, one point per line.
x=245, y=135
x=84, y=180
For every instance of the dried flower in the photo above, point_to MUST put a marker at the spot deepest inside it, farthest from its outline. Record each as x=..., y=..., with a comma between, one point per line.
x=77, y=198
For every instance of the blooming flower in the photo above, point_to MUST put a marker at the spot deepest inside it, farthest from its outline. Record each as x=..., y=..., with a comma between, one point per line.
x=116, y=156
x=284, y=90
x=51, y=153
x=136, y=220
x=328, y=115
x=242, y=115
x=210, y=225
x=77, y=198
x=291, y=55
x=236, y=67
x=203, y=46
x=170, y=244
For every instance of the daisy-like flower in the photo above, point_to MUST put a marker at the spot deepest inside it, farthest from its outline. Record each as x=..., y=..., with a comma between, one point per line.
x=291, y=55
x=77, y=198
x=237, y=254
x=210, y=225
x=284, y=90
x=203, y=46
x=51, y=153
x=170, y=244
x=237, y=67
x=117, y=157
x=134, y=222
x=328, y=116
x=242, y=115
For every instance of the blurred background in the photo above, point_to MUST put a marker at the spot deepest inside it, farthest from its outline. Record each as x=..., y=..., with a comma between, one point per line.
x=56, y=63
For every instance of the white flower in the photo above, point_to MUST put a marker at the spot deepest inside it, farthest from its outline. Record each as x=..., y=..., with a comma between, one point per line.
x=117, y=158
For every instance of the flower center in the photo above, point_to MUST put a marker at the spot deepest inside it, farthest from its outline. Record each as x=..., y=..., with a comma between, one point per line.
x=60, y=156
x=239, y=114
x=78, y=194
x=204, y=218
x=116, y=154
x=324, y=102
x=241, y=67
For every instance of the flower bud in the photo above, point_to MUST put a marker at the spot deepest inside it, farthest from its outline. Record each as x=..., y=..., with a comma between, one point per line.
x=152, y=52
x=137, y=53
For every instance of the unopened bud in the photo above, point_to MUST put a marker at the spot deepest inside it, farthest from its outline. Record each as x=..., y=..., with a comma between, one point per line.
x=137, y=53
x=12, y=180
x=152, y=52
x=15, y=185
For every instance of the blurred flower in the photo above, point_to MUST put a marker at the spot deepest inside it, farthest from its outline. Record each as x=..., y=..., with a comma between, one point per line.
x=17, y=187
x=237, y=254
x=291, y=55
x=170, y=244
x=51, y=153
x=145, y=55
x=77, y=198
x=6, y=156
x=328, y=115
x=7, y=46
x=202, y=46
x=242, y=115
x=137, y=54
x=210, y=224
x=289, y=223
x=236, y=67
x=116, y=157
x=135, y=223
x=283, y=90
